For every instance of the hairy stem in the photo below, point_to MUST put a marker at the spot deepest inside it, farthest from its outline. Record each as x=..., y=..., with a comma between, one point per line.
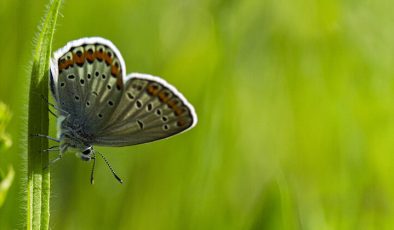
x=38, y=183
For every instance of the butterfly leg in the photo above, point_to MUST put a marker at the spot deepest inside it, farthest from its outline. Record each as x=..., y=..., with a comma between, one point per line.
x=92, y=173
x=50, y=111
x=54, y=160
x=52, y=148
x=53, y=106
x=45, y=136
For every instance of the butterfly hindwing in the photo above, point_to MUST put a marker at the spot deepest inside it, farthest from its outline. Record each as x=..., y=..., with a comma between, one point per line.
x=150, y=109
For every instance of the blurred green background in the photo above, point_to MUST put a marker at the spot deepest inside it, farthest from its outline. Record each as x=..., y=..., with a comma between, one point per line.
x=295, y=106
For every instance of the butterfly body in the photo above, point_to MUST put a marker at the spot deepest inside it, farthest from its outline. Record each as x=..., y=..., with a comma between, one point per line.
x=72, y=135
x=99, y=105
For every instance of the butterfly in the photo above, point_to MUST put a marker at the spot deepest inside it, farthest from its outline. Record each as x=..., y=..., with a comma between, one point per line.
x=98, y=104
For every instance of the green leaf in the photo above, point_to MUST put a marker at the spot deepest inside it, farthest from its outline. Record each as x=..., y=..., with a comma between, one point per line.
x=38, y=183
x=5, y=184
x=5, y=143
x=5, y=115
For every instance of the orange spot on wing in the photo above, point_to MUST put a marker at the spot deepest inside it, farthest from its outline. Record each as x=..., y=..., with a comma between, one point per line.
x=119, y=82
x=64, y=64
x=173, y=103
x=115, y=71
x=179, y=111
x=152, y=89
x=90, y=55
x=99, y=55
x=181, y=122
x=79, y=58
x=164, y=96
x=108, y=59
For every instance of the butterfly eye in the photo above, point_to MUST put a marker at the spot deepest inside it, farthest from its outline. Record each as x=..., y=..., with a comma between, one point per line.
x=87, y=151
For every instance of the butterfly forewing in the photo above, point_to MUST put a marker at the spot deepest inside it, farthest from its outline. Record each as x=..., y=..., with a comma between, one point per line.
x=89, y=83
x=150, y=109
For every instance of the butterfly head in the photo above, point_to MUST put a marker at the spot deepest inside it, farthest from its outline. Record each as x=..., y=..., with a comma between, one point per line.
x=87, y=154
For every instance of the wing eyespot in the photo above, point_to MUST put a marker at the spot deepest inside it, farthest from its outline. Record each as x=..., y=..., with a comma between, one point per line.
x=149, y=107
x=140, y=124
x=130, y=96
x=138, y=104
x=180, y=123
x=158, y=112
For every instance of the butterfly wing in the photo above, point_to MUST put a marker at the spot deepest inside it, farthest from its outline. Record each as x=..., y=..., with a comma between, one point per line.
x=86, y=80
x=149, y=109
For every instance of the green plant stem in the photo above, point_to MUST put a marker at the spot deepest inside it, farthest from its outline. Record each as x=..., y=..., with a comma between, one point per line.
x=38, y=184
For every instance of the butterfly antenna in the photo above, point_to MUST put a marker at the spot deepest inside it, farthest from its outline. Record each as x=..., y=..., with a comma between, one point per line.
x=92, y=173
x=109, y=166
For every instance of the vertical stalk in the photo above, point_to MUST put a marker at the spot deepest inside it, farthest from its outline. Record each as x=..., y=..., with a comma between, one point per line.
x=38, y=183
